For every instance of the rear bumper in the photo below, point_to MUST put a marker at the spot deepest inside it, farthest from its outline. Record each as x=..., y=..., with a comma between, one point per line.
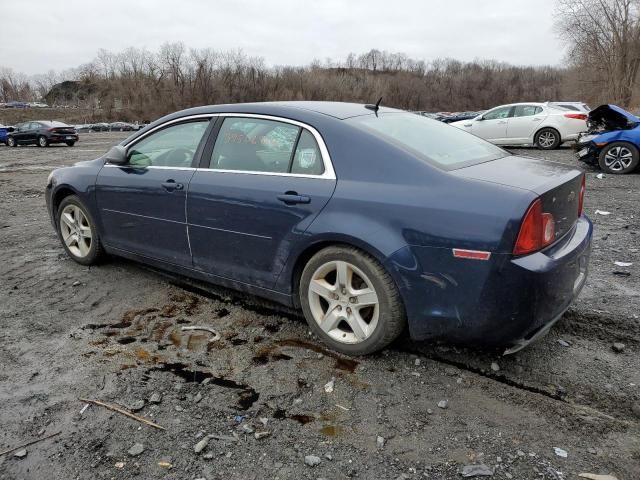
x=63, y=138
x=505, y=301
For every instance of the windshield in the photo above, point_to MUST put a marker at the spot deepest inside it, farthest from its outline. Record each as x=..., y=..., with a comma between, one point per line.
x=437, y=143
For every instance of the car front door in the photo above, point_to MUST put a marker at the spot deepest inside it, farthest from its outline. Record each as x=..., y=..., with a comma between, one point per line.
x=525, y=121
x=142, y=203
x=258, y=189
x=492, y=126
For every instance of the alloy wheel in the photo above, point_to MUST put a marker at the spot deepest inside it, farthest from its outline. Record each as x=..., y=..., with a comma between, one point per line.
x=75, y=230
x=618, y=158
x=546, y=139
x=343, y=302
x=42, y=141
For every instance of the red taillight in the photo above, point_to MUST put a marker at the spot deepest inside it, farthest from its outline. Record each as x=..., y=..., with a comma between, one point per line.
x=577, y=116
x=583, y=187
x=537, y=230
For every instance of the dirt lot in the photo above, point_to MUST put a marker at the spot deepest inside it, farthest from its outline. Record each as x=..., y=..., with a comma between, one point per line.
x=113, y=333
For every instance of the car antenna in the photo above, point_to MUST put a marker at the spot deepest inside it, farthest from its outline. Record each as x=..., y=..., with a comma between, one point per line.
x=375, y=107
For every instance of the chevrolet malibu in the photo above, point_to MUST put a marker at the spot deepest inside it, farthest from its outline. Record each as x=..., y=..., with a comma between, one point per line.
x=368, y=219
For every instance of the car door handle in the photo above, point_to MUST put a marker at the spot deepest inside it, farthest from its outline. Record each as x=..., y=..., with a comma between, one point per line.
x=292, y=198
x=536, y=119
x=503, y=121
x=171, y=185
x=467, y=125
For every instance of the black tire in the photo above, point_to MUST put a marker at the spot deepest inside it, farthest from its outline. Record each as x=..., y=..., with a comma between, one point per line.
x=96, y=251
x=547, y=139
x=391, y=311
x=42, y=141
x=11, y=142
x=607, y=157
x=70, y=144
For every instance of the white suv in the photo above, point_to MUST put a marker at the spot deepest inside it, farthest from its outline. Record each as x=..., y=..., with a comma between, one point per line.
x=539, y=124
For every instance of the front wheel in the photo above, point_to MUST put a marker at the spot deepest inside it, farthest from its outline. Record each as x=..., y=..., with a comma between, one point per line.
x=42, y=141
x=78, y=232
x=11, y=142
x=350, y=301
x=619, y=157
x=547, y=139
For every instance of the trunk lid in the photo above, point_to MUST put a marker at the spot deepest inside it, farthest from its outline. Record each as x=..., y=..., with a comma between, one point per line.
x=557, y=185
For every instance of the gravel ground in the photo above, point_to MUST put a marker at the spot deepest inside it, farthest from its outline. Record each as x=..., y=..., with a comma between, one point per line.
x=113, y=333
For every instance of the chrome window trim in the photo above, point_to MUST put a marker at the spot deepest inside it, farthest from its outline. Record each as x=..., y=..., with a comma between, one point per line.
x=170, y=122
x=149, y=167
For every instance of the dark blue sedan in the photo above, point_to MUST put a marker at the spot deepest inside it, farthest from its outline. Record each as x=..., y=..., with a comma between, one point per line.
x=368, y=219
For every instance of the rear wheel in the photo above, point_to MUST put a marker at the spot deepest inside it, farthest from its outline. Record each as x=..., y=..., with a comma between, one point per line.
x=11, y=142
x=70, y=144
x=42, y=141
x=619, y=157
x=350, y=301
x=547, y=139
x=78, y=232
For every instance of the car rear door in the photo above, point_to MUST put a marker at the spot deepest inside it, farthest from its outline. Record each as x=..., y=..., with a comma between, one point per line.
x=262, y=181
x=492, y=126
x=142, y=203
x=525, y=122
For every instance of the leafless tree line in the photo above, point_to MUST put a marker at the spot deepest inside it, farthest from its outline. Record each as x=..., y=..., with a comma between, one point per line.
x=141, y=84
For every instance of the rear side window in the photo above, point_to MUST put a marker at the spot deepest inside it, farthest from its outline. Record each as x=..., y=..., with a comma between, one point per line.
x=527, y=110
x=173, y=146
x=435, y=142
x=260, y=145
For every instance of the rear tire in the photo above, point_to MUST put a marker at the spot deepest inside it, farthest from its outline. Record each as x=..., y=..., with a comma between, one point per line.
x=354, y=298
x=547, y=139
x=11, y=142
x=70, y=144
x=77, y=232
x=42, y=141
x=619, y=158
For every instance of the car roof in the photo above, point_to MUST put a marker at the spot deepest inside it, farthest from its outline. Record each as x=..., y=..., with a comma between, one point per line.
x=339, y=110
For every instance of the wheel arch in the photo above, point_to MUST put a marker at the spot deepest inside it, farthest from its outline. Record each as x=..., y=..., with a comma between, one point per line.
x=294, y=272
x=62, y=192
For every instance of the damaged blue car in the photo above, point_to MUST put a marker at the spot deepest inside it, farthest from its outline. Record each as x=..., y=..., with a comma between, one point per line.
x=612, y=141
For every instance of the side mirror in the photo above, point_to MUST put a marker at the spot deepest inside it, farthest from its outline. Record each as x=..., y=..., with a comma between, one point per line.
x=116, y=156
x=479, y=119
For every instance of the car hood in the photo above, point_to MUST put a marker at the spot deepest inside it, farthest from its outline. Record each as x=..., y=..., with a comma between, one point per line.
x=612, y=117
x=532, y=174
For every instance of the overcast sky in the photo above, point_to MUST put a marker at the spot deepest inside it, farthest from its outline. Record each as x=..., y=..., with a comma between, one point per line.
x=38, y=35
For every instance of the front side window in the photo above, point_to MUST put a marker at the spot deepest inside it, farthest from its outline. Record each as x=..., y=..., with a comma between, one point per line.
x=173, y=146
x=435, y=142
x=526, y=110
x=498, y=113
x=260, y=145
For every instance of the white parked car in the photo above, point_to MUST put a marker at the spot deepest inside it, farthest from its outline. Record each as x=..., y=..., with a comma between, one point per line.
x=539, y=124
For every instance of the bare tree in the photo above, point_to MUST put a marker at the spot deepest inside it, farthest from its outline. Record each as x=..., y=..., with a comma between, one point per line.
x=604, y=45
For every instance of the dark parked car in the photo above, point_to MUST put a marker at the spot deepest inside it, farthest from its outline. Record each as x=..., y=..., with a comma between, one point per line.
x=122, y=127
x=612, y=140
x=459, y=116
x=367, y=219
x=42, y=133
x=4, y=132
